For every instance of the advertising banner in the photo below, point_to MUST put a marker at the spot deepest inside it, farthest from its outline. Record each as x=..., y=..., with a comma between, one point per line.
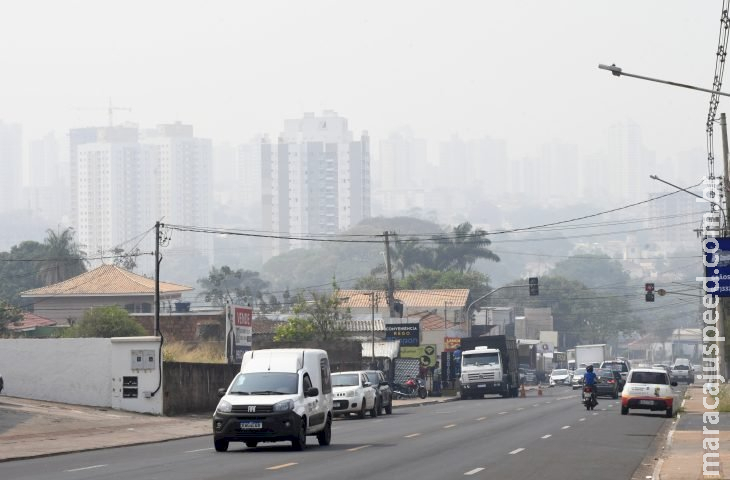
x=450, y=343
x=717, y=271
x=425, y=353
x=409, y=334
x=239, y=332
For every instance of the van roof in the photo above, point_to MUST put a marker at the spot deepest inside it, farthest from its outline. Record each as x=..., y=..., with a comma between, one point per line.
x=279, y=359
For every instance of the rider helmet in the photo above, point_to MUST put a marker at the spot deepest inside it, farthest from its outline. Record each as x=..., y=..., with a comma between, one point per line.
x=589, y=368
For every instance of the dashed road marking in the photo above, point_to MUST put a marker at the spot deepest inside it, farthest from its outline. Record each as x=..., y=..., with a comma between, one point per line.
x=565, y=427
x=472, y=472
x=199, y=450
x=450, y=425
x=502, y=413
x=520, y=409
x=515, y=452
x=412, y=435
x=481, y=418
x=535, y=405
x=546, y=436
x=355, y=449
x=582, y=419
x=85, y=468
x=283, y=465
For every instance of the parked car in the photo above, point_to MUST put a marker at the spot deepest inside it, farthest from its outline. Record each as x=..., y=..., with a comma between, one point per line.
x=384, y=394
x=683, y=372
x=353, y=393
x=576, y=378
x=559, y=376
x=649, y=389
x=608, y=382
x=620, y=365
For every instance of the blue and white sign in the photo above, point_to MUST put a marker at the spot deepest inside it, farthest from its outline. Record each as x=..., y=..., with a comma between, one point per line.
x=717, y=266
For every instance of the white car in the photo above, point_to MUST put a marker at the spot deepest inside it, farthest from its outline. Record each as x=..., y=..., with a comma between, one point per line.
x=353, y=393
x=649, y=389
x=560, y=376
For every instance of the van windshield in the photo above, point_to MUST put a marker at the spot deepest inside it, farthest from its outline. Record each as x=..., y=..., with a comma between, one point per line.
x=346, y=380
x=265, y=383
x=477, y=359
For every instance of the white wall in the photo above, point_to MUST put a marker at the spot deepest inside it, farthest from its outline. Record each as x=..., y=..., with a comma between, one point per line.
x=80, y=371
x=67, y=370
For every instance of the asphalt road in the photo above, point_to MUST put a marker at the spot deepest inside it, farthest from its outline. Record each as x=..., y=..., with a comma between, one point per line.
x=548, y=437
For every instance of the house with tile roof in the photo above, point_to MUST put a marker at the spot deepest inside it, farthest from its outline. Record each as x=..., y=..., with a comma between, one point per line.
x=451, y=303
x=65, y=302
x=31, y=325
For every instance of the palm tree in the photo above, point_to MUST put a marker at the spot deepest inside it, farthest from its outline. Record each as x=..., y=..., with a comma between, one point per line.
x=64, y=258
x=406, y=256
x=462, y=248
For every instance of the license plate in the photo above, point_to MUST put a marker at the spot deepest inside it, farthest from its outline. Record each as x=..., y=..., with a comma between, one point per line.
x=251, y=425
x=482, y=385
x=646, y=402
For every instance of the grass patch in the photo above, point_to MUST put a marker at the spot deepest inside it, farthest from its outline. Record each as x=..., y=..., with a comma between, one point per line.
x=724, y=398
x=207, y=352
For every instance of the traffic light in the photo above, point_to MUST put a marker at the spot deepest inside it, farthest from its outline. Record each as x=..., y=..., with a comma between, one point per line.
x=534, y=288
x=649, y=296
x=649, y=287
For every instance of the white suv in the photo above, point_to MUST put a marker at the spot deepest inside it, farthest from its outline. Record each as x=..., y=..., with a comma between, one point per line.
x=353, y=393
x=682, y=370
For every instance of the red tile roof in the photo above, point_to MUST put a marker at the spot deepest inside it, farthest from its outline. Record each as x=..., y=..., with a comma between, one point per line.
x=30, y=321
x=454, y=297
x=103, y=281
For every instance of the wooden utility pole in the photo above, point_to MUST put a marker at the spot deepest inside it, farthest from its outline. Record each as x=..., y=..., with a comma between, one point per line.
x=157, y=279
x=722, y=306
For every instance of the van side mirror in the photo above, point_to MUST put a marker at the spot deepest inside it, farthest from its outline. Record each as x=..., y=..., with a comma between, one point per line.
x=222, y=392
x=674, y=384
x=312, y=392
x=367, y=384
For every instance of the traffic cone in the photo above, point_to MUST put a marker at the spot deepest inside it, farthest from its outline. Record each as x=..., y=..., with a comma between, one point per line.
x=539, y=390
x=522, y=391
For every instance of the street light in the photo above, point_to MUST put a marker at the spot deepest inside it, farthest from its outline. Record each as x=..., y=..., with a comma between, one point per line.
x=617, y=72
x=468, y=317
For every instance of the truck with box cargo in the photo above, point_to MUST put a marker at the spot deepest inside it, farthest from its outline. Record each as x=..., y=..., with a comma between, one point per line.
x=489, y=365
x=590, y=355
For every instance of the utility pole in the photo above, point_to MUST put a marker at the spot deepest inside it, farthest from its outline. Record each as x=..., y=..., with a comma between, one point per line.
x=157, y=279
x=722, y=305
x=373, y=363
x=390, y=293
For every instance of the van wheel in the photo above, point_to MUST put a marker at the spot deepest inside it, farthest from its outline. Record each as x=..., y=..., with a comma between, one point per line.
x=375, y=410
x=300, y=442
x=325, y=436
x=252, y=444
x=220, y=445
x=361, y=413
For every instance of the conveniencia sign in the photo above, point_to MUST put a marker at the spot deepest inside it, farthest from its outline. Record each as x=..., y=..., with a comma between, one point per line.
x=408, y=334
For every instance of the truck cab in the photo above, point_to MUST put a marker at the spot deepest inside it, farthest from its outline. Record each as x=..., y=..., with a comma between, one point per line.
x=490, y=368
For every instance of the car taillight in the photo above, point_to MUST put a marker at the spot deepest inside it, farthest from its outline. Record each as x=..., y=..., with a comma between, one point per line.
x=612, y=381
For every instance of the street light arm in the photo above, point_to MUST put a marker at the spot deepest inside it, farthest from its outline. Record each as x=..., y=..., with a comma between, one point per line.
x=617, y=72
x=468, y=318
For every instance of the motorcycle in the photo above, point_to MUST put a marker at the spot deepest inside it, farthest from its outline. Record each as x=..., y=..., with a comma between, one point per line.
x=411, y=388
x=589, y=397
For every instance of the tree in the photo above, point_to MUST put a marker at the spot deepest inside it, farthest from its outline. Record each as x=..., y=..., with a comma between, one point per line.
x=64, y=257
x=8, y=314
x=106, y=322
x=237, y=286
x=592, y=270
x=127, y=261
x=320, y=318
x=406, y=256
x=462, y=248
x=19, y=271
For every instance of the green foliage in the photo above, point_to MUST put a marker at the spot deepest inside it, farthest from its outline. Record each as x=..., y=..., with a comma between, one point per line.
x=64, y=257
x=106, y=322
x=591, y=270
x=8, y=314
x=320, y=318
x=462, y=248
x=238, y=286
x=126, y=260
x=18, y=273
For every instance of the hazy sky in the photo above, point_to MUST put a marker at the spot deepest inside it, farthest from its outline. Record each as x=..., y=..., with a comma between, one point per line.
x=525, y=71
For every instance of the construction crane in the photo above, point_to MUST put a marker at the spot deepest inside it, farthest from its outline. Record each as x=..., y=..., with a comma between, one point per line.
x=110, y=110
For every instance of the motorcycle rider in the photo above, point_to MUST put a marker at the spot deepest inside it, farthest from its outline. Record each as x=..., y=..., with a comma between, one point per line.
x=589, y=380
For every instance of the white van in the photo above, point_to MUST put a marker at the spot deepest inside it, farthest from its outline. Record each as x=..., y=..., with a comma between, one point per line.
x=279, y=395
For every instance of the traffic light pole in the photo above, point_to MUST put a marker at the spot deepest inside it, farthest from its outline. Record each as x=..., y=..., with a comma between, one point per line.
x=468, y=317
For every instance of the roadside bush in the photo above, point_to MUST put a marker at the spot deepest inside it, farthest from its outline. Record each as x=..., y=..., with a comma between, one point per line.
x=106, y=322
x=207, y=352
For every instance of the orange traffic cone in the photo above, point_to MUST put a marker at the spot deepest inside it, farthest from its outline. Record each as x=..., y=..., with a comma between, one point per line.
x=522, y=391
x=539, y=390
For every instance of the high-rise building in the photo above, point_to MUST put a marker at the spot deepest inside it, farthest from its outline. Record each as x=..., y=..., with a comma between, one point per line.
x=315, y=180
x=46, y=188
x=401, y=173
x=11, y=166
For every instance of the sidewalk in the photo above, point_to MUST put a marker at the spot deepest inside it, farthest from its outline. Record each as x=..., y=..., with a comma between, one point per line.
x=34, y=428
x=681, y=457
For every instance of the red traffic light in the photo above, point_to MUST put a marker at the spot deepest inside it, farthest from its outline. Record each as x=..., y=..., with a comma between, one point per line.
x=649, y=287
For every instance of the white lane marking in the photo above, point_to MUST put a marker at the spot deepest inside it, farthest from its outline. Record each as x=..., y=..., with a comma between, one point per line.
x=548, y=403
x=199, y=450
x=472, y=472
x=358, y=448
x=480, y=419
x=595, y=413
x=86, y=468
x=520, y=409
x=412, y=435
x=582, y=419
x=535, y=405
x=565, y=427
x=502, y=413
x=546, y=436
x=450, y=425
x=283, y=465
x=514, y=452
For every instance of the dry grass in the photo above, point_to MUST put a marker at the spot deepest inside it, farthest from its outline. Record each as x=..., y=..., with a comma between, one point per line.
x=724, y=398
x=207, y=352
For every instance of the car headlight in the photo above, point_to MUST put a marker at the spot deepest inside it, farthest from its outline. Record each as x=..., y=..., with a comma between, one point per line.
x=284, y=406
x=350, y=393
x=224, y=407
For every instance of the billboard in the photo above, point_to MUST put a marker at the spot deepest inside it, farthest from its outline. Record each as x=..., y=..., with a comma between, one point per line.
x=717, y=266
x=239, y=332
x=425, y=353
